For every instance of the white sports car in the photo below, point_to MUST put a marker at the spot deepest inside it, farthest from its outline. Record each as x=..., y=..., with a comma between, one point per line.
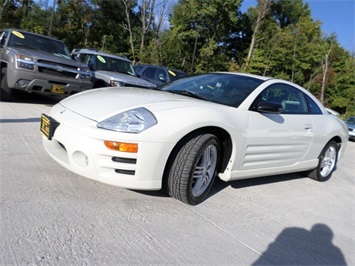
x=183, y=135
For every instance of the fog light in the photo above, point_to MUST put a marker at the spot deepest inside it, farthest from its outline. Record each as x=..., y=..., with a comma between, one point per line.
x=80, y=159
x=121, y=146
x=23, y=82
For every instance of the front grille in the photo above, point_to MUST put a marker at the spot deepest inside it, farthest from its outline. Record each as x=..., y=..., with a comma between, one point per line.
x=124, y=160
x=141, y=86
x=55, y=69
x=125, y=172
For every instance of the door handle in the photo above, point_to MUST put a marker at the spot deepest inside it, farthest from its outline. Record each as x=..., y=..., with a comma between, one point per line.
x=308, y=127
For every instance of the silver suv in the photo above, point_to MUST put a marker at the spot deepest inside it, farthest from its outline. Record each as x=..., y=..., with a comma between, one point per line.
x=36, y=63
x=110, y=70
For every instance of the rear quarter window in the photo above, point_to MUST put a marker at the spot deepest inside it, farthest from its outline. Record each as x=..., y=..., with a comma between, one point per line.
x=313, y=108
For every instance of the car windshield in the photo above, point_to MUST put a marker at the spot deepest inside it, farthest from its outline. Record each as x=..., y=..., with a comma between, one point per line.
x=223, y=88
x=114, y=64
x=37, y=42
x=176, y=74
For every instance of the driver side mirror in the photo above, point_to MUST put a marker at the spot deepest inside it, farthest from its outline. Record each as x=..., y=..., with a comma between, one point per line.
x=162, y=78
x=269, y=107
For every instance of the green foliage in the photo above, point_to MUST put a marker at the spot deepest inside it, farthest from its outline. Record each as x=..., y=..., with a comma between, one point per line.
x=204, y=36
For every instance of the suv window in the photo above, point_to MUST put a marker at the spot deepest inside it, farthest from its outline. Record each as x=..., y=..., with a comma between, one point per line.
x=101, y=62
x=3, y=37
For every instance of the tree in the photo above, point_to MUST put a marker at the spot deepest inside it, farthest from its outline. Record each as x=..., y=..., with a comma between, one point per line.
x=147, y=18
x=202, y=28
x=129, y=4
x=262, y=10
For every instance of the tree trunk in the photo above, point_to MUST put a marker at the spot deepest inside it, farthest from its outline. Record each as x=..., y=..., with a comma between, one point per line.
x=147, y=8
x=194, y=55
x=2, y=8
x=262, y=11
x=324, y=76
x=127, y=4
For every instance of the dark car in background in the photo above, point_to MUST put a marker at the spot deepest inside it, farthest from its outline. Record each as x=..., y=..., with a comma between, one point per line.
x=350, y=123
x=158, y=74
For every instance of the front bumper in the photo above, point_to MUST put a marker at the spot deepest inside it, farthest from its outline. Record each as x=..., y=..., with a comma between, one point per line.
x=33, y=81
x=352, y=134
x=79, y=147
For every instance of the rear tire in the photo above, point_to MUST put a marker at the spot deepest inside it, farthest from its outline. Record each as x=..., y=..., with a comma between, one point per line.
x=5, y=91
x=194, y=169
x=327, y=163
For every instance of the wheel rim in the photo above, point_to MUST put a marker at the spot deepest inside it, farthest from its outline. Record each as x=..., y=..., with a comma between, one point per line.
x=204, y=171
x=328, y=161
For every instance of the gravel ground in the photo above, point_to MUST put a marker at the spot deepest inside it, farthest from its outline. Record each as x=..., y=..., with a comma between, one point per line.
x=50, y=216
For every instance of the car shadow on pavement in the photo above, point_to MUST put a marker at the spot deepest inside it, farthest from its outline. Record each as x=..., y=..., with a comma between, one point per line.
x=220, y=185
x=35, y=98
x=298, y=246
x=21, y=120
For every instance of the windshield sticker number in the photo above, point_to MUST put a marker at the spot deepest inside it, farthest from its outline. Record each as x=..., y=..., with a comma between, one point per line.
x=172, y=73
x=18, y=34
x=102, y=60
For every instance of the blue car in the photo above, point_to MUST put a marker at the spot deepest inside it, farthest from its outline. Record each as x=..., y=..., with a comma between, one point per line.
x=350, y=122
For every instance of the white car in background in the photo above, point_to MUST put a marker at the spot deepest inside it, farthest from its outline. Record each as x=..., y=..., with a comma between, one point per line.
x=110, y=70
x=188, y=132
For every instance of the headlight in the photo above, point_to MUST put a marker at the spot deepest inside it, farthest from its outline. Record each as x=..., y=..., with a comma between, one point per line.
x=131, y=121
x=85, y=74
x=25, y=62
x=116, y=83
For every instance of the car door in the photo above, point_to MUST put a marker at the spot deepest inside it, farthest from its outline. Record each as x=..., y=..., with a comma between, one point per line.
x=277, y=140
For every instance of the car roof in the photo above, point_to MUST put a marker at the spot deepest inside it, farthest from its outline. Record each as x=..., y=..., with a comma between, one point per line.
x=248, y=75
x=162, y=67
x=98, y=52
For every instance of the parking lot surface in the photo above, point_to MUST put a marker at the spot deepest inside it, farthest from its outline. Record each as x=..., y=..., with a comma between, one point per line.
x=50, y=216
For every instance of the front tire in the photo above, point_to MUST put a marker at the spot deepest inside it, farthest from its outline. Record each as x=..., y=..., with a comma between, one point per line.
x=5, y=91
x=327, y=162
x=194, y=169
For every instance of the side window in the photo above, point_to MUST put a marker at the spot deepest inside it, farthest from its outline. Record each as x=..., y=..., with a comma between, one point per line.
x=161, y=75
x=313, y=108
x=90, y=61
x=150, y=72
x=82, y=58
x=292, y=100
x=3, y=38
x=137, y=68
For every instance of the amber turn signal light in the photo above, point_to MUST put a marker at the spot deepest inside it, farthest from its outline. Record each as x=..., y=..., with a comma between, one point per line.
x=121, y=146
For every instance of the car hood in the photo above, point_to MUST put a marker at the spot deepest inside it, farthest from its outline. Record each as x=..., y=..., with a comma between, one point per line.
x=57, y=58
x=99, y=104
x=126, y=78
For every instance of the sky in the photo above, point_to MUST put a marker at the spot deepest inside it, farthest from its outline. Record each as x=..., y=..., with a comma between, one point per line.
x=337, y=16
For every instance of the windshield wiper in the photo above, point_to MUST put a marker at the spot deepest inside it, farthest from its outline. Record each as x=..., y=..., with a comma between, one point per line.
x=25, y=46
x=120, y=71
x=62, y=55
x=188, y=93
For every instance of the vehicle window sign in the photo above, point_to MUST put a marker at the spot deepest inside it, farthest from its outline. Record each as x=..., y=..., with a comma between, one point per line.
x=101, y=59
x=172, y=73
x=18, y=34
